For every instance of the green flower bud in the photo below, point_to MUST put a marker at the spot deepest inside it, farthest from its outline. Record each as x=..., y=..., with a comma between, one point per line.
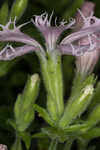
x=77, y=106
x=4, y=13
x=24, y=111
x=30, y=92
x=18, y=8
x=52, y=75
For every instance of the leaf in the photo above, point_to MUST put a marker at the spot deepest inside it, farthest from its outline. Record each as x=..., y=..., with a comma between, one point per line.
x=44, y=114
x=26, y=137
x=96, y=97
x=4, y=13
x=73, y=8
x=5, y=67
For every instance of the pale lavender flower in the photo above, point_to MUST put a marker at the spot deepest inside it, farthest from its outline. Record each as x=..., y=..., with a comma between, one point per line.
x=85, y=63
x=69, y=45
x=3, y=147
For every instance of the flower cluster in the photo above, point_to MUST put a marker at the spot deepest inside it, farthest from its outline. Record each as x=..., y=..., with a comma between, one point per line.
x=69, y=45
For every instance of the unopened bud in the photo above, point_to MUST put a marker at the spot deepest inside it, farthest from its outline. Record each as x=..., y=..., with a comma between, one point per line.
x=18, y=8
x=77, y=106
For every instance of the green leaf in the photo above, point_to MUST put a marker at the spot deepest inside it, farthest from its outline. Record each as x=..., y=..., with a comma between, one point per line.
x=26, y=137
x=44, y=114
x=12, y=123
x=55, y=134
x=96, y=98
x=5, y=66
x=73, y=8
x=18, y=8
x=94, y=116
x=4, y=13
x=39, y=135
x=91, y=134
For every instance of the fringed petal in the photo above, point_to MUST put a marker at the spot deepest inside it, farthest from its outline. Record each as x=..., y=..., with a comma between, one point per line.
x=50, y=33
x=9, y=52
x=16, y=35
x=91, y=25
x=80, y=34
x=86, y=62
x=75, y=50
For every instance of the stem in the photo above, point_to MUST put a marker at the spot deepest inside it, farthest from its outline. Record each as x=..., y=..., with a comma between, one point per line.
x=17, y=145
x=68, y=144
x=53, y=145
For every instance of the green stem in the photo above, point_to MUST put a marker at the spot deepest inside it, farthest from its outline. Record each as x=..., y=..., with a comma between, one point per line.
x=17, y=145
x=53, y=145
x=68, y=144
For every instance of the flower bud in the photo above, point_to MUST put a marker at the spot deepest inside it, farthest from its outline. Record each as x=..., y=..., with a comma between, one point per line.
x=24, y=111
x=77, y=106
x=4, y=13
x=86, y=62
x=18, y=8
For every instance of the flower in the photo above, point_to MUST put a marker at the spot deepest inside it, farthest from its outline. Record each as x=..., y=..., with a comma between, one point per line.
x=86, y=62
x=3, y=147
x=68, y=45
